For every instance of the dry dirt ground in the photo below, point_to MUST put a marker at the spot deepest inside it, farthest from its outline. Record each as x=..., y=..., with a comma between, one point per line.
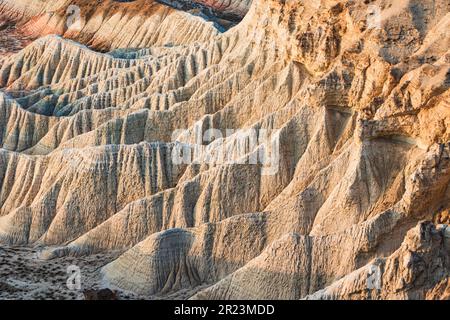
x=24, y=276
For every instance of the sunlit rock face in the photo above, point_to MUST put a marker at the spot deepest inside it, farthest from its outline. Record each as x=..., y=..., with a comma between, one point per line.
x=354, y=97
x=231, y=8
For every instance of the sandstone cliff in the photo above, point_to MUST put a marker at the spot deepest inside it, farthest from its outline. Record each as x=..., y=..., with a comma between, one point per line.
x=354, y=95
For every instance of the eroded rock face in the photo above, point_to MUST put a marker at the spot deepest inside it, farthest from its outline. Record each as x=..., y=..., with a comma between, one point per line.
x=356, y=97
x=419, y=269
x=107, y=24
x=236, y=7
x=233, y=9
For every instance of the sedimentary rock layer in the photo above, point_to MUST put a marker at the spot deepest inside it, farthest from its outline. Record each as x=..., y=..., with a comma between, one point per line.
x=355, y=104
x=234, y=9
x=109, y=24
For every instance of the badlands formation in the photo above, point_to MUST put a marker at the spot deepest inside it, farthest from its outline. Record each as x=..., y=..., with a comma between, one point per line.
x=353, y=96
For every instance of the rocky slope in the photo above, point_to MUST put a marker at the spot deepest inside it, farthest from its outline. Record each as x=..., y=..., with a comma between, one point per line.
x=108, y=24
x=355, y=100
x=232, y=10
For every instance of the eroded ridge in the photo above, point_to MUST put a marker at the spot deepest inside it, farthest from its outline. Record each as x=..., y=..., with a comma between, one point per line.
x=357, y=100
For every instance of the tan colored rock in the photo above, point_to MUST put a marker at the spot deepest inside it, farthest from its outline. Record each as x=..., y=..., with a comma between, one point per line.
x=360, y=109
x=108, y=24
